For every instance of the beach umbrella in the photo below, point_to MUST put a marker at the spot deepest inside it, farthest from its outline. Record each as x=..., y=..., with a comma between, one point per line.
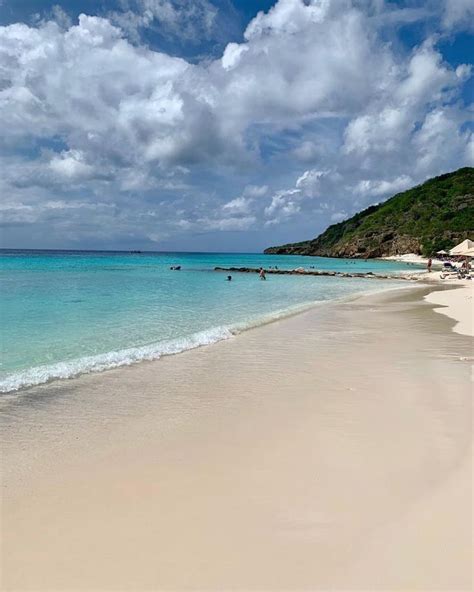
x=468, y=253
x=441, y=252
x=460, y=249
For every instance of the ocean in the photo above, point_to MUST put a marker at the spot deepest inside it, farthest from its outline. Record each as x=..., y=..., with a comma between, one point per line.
x=64, y=313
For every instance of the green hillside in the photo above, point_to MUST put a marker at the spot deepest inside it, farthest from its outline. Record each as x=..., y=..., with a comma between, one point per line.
x=435, y=215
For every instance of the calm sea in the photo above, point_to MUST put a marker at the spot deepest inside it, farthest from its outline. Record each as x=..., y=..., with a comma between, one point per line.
x=68, y=312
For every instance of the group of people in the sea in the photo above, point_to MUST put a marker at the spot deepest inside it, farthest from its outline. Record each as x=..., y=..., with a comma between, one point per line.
x=261, y=273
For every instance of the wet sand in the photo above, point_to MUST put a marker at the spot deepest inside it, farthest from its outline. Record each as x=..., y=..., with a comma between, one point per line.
x=328, y=451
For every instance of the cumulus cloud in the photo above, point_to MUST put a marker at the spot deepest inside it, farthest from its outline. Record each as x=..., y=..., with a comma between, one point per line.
x=71, y=165
x=232, y=54
x=255, y=191
x=161, y=140
x=308, y=151
x=312, y=183
x=239, y=205
x=284, y=205
x=378, y=187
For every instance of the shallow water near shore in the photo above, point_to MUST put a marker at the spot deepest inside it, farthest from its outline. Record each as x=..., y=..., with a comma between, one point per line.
x=66, y=313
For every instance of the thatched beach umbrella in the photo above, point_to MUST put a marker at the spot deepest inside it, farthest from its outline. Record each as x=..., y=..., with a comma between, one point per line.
x=462, y=248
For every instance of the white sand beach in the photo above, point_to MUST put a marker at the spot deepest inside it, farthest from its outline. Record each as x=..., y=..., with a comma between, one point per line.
x=328, y=451
x=407, y=258
x=414, y=259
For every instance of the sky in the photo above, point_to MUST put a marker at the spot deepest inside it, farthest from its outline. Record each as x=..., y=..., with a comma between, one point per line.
x=223, y=125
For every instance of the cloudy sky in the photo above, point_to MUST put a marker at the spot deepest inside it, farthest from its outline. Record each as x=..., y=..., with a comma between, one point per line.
x=224, y=125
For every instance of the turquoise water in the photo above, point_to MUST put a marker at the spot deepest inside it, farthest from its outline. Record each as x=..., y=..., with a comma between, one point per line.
x=65, y=313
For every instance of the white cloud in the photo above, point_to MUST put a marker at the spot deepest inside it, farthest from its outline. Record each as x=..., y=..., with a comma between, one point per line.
x=391, y=117
x=439, y=141
x=239, y=205
x=76, y=84
x=312, y=183
x=255, y=191
x=312, y=187
x=71, y=165
x=308, y=151
x=232, y=54
x=458, y=13
x=425, y=76
x=294, y=65
x=284, y=204
x=352, y=116
x=374, y=187
x=245, y=204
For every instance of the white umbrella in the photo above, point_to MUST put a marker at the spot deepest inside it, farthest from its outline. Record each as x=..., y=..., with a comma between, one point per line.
x=468, y=253
x=462, y=248
x=441, y=252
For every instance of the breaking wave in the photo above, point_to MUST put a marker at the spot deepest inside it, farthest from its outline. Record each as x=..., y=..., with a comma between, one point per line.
x=126, y=357
x=106, y=361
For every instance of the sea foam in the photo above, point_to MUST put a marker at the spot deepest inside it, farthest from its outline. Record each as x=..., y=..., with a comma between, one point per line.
x=125, y=357
x=114, y=359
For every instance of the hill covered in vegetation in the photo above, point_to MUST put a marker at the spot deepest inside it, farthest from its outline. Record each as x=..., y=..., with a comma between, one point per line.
x=435, y=215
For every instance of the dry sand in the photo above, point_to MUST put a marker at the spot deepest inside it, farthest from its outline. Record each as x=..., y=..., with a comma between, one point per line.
x=415, y=259
x=457, y=304
x=328, y=451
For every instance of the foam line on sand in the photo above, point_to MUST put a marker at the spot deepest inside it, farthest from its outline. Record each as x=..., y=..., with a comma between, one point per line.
x=457, y=304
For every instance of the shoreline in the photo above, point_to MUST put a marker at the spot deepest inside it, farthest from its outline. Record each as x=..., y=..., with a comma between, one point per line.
x=269, y=461
x=21, y=382
x=457, y=304
x=15, y=385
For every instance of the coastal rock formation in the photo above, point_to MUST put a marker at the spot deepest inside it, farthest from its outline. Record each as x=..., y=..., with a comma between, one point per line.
x=435, y=215
x=301, y=271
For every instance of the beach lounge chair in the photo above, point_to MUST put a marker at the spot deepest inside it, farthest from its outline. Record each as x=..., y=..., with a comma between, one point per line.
x=452, y=272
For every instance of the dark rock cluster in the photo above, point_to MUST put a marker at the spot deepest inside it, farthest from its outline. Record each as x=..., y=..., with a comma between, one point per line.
x=367, y=274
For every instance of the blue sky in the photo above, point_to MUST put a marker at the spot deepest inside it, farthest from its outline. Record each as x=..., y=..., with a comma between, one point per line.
x=222, y=125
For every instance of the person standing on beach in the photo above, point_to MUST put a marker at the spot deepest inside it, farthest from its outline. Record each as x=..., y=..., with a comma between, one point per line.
x=262, y=275
x=430, y=263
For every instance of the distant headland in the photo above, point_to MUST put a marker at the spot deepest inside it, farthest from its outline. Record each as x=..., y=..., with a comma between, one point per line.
x=435, y=215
